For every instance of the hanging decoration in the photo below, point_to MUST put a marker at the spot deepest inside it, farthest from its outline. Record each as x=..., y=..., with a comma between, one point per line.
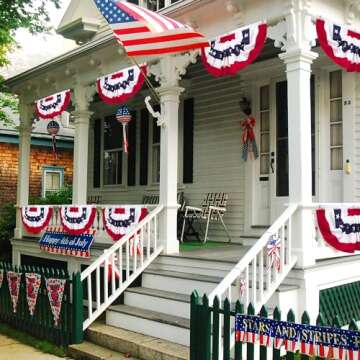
x=273, y=252
x=248, y=139
x=242, y=288
x=36, y=217
x=340, y=227
x=230, y=53
x=123, y=116
x=57, y=241
x=14, y=279
x=54, y=105
x=55, y=289
x=1, y=277
x=118, y=87
x=33, y=282
x=119, y=221
x=340, y=44
x=76, y=220
x=53, y=128
x=113, y=269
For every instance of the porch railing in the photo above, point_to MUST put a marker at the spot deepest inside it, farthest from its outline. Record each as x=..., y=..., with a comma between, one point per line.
x=254, y=278
x=107, y=277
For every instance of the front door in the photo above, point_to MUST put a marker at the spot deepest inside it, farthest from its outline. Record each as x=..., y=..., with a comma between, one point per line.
x=271, y=170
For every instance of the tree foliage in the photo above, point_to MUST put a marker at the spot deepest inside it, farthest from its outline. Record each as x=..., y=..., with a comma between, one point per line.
x=27, y=14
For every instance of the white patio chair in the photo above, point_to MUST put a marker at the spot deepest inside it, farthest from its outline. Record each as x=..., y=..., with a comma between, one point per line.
x=212, y=209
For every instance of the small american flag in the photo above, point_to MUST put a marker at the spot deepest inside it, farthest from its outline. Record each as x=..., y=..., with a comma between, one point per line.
x=143, y=32
x=123, y=116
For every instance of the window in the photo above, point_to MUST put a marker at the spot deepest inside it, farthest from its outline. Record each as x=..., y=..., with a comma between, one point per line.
x=336, y=121
x=113, y=152
x=156, y=153
x=264, y=130
x=53, y=179
x=156, y=5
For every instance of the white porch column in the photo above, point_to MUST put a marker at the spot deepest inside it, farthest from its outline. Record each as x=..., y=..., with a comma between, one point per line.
x=82, y=117
x=22, y=197
x=298, y=70
x=168, y=72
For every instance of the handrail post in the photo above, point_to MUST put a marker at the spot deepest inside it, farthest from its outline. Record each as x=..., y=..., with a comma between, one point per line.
x=78, y=312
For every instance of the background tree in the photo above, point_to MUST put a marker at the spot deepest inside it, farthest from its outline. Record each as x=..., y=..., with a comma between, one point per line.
x=16, y=14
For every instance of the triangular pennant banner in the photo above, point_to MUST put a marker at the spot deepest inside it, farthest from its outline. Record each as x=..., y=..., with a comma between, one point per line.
x=55, y=289
x=33, y=282
x=13, y=279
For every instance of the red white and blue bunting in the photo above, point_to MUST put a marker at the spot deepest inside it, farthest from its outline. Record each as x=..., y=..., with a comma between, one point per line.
x=33, y=282
x=76, y=220
x=340, y=43
x=116, y=88
x=55, y=289
x=36, y=218
x=234, y=51
x=14, y=279
x=273, y=252
x=340, y=227
x=54, y=105
x=119, y=221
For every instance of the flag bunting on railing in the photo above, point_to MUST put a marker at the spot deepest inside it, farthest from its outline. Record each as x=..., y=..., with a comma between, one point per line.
x=55, y=289
x=231, y=52
x=321, y=341
x=144, y=32
x=1, y=277
x=340, y=227
x=33, y=282
x=273, y=252
x=76, y=220
x=113, y=269
x=118, y=87
x=119, y=221
x=54, y=105
x=36, y=217
x=14, y=279
x=339, y=43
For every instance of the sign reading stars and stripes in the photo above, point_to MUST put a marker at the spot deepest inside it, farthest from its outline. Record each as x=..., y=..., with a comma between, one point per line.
x=143, y=32
x=323, y=341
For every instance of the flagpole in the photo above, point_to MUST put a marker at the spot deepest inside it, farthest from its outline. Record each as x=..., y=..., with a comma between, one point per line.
x=148, y=83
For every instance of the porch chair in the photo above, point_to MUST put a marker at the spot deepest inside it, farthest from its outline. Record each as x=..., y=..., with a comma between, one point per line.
x=212, y=209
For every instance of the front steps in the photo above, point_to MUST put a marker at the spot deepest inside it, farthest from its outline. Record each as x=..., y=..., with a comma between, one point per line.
x=161, y=306
x=109, y=343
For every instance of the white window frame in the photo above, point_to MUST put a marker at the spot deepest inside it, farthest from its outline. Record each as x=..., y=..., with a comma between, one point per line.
x=51, y=169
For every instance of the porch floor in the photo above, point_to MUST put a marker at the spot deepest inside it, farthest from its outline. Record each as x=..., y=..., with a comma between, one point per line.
x=213, y=251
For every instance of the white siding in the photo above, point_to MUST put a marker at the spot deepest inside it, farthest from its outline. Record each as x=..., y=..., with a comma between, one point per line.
x=356, y=165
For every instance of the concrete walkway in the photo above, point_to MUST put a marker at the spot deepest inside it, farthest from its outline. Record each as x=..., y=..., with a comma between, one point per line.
x=13, y=350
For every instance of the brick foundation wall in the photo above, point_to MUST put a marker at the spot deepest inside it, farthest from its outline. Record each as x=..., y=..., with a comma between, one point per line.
x=40, y=156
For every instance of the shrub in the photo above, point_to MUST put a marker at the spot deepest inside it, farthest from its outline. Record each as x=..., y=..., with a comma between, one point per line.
x=7, y=226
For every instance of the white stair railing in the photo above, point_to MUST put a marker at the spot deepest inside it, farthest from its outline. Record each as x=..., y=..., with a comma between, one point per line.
x=254, y=278
x=120, y=265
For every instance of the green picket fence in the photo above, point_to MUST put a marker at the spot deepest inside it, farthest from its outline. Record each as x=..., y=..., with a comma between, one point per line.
x=210, y=324
x=41, y=324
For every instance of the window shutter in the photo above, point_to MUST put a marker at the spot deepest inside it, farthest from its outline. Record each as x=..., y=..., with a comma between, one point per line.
x=132, y=150
x=188, y=137
x=144, y=146
x=97, y=153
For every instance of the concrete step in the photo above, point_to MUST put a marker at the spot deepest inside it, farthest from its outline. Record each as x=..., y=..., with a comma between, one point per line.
x=158, y=300
x=140, y=346
x=90, y=351
x=168, y=327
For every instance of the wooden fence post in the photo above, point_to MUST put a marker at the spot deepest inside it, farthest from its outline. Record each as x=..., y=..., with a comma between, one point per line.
x=205, y=321
x=216, y=329
x=78, y=309
x=226, y=346
x=263, y=349
x=305, y=319
x=194, y=321
x=250, y=346
x=276, y=316
x=239, y=309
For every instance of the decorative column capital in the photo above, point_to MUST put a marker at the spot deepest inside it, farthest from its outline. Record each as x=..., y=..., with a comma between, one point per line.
x=82, y=116
x=82, y=97
x=297, y=58
x=170, y=92
x=169, y=69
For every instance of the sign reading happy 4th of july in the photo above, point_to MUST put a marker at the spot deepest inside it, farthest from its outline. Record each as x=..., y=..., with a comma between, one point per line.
x=56, y=241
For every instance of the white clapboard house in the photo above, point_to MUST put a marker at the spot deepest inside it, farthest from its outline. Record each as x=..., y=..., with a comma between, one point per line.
x=307, y=109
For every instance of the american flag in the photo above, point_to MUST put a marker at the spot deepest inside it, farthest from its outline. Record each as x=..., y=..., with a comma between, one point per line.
x=143, y=32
